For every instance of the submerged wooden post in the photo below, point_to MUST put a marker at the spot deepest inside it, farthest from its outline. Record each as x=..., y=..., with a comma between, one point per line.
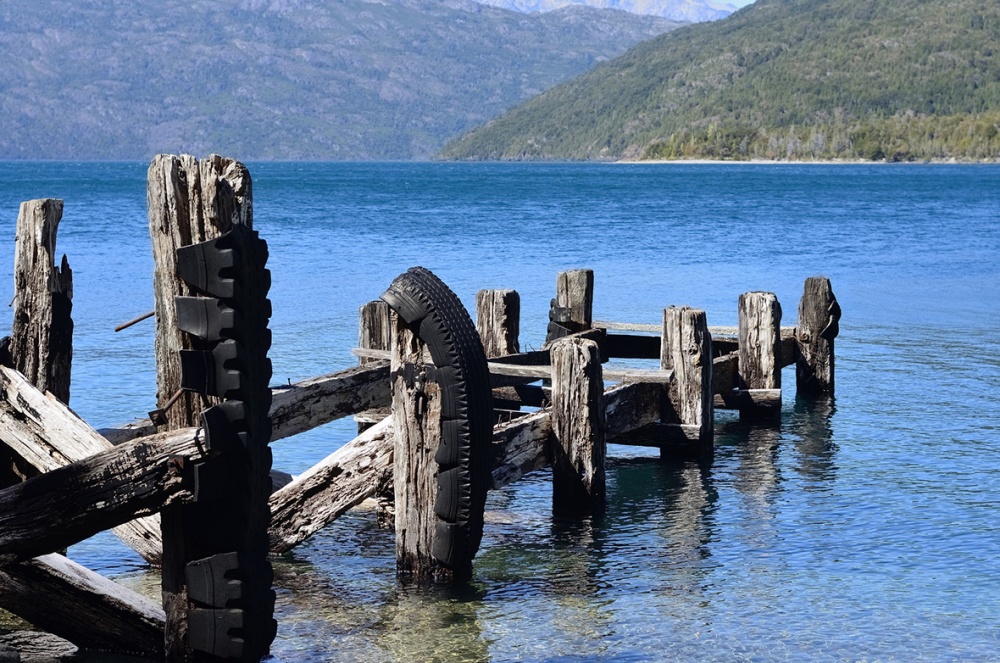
x=42, y=333
x=416, y=413
x=578, y=427
x=759, y=344
x=498, y=321
x=572, y=310
x=686, y=349
x=818, y=325
x=190, y=201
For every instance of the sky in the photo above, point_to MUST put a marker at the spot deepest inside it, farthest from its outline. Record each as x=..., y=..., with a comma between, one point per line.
x=740, y=3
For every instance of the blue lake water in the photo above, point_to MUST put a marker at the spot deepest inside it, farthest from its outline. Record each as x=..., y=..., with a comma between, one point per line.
x=862, y=529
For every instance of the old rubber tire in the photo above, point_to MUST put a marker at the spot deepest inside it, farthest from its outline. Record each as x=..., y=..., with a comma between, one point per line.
x=437, y=316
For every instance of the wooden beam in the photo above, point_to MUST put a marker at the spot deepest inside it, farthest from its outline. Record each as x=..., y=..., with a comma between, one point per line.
x=528, y=395
x=48, y=435
x=717, y=331
x=74, y=603
x=767, y=400
x=531, y=371
x=67, y=505
x=678, y=437
x=520, y=447
x=326, y=491
x=632, y=406
x=303, y=405
x=317, y=401
x=630, y=346
x=725, y=372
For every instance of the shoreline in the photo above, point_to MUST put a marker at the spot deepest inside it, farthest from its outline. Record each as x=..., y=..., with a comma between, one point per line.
x=808, y=162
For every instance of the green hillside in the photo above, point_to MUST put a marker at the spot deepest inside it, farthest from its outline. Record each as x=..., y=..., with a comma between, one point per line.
x=798, y=79
x=281, y=79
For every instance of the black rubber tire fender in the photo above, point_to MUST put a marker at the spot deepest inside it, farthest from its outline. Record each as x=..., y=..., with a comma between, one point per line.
x=437, y=316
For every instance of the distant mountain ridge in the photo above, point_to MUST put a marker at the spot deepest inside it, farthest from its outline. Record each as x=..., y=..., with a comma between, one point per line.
x=797, y=79
x=280, y=79
x=694, y=11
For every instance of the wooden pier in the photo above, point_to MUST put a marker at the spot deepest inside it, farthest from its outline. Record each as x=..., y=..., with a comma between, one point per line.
x=448, y=408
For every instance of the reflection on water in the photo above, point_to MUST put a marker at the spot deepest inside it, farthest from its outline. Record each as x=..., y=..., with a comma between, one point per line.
x=605, y=587
x=813, y=442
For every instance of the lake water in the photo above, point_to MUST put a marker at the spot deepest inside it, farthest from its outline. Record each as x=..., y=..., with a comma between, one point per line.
x=860, y=529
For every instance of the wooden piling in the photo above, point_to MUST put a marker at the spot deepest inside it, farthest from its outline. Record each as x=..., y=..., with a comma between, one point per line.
x=374, y=328
x=207, y=295
x=416, y=414
x=686, y=349
x=42, y=332
x=578, y=427
x=572, y=310
x=498, y=321
x=759, y=345
x=374, y=333
x=818, y=325
x=190, y=201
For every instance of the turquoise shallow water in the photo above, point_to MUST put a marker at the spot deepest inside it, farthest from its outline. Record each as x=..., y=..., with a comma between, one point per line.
x=861, y=529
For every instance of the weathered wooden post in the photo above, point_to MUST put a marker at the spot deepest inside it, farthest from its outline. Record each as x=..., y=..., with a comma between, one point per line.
x=759, y=346
x=578, y=427
x=416, y=412
x=374, y=333
x=41, y=342
x=212, y=341
x=686, y=349
x=374, y=328
x=41, y=339
x=443, y=428
x=572, y=310
x=498, y=321
x=818, y=325
x=190, y=201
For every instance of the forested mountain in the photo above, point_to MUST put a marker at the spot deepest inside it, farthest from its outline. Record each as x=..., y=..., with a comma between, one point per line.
x=280, y=79
x=678, y=10
x=800, y=79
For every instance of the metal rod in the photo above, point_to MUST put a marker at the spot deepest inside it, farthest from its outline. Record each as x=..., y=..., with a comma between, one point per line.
x=126, y=325
x=159, y=415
